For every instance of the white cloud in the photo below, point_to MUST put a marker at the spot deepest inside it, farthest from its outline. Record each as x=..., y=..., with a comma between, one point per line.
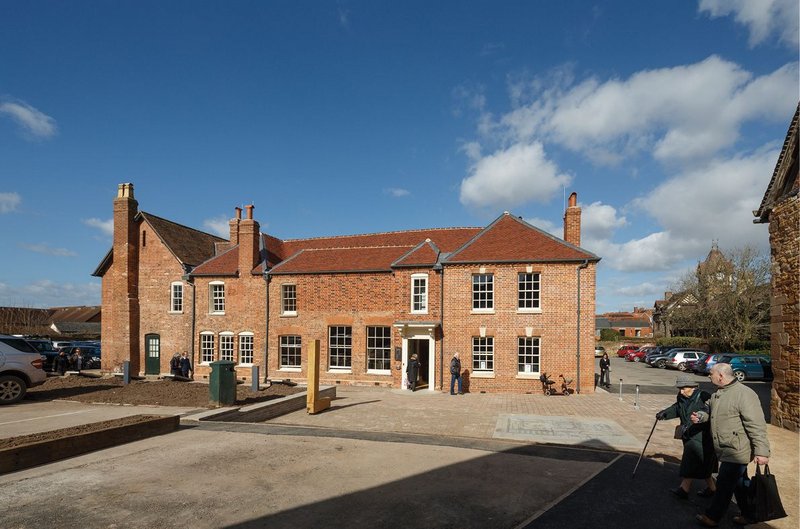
x=35, y=124
x=9, y=202
x=397, y=192
x=599, y=221
x=47, y=250
x=218, y=225
x=105, y=226
x=47, y=293
x=680, y=114
x=762, y=18
x=511, y=177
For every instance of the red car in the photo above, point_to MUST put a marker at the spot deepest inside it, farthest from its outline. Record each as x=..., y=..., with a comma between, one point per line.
x=635, y=356
x=625, y=349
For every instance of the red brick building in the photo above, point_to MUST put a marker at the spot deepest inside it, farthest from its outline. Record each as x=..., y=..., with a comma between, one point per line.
x=505, y=297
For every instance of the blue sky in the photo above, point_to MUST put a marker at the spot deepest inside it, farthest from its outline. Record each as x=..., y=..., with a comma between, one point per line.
x=366, y=116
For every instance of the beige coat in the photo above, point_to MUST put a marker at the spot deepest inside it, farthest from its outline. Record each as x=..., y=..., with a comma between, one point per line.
x=738, y=428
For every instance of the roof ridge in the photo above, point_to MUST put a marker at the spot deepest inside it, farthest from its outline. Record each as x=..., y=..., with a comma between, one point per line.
x=359, y=247
x=382, y=233
x=183, y=226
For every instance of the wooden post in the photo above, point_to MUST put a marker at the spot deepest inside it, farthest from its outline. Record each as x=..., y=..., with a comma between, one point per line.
x=314, y=404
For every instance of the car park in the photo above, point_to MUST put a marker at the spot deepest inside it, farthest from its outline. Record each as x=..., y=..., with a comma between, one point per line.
x=90, y=355
x=638, y=355
x=625, y=349
x=677, y=359
x=692, y=365
x=751, y=367
x=599, y=351
x=20, y=368
x=659, y=359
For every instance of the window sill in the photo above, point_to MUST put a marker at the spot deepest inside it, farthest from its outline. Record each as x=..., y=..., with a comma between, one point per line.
x=482, y=311
x=528, y=376
x=418, y=312
x=288, y=314
x=216, y=313
x=290, y=369
x=482, y=374
x=174, y=312
x=383, y=372
x=529, y=311
x=343, y=371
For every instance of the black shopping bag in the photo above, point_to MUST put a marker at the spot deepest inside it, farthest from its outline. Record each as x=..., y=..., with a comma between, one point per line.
x=763, y=498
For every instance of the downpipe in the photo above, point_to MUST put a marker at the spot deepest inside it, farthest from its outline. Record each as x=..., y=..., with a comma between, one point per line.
x=580, y=267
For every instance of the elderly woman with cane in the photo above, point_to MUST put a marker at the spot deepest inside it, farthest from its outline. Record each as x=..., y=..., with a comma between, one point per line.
x=698, y=460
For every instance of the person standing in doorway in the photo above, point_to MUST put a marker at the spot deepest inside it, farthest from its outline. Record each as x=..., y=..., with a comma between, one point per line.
x=605, y=371
x=175, y=365
x=455, y=374
x=412, y=370
x=739, y=432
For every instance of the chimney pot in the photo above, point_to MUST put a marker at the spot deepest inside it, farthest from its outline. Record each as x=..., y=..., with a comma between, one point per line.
x=238, y=211
x=249, y=209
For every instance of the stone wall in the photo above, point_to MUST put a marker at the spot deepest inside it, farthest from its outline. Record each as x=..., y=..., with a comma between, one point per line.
x=784, y=235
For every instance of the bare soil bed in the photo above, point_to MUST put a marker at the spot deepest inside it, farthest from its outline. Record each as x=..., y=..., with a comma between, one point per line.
x=110, y=390
x=39, y=437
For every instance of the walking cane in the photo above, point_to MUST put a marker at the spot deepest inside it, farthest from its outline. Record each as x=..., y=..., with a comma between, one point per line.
x=643, y=449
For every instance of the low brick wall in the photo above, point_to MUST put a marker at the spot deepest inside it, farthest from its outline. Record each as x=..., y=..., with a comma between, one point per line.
x=264, y=411
x=43, y=452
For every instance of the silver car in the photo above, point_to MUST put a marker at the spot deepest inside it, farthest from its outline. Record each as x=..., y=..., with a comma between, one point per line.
x=678, y=359
x=20, y=368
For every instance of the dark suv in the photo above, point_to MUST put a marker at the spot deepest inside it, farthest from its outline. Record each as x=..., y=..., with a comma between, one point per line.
x=46, y=349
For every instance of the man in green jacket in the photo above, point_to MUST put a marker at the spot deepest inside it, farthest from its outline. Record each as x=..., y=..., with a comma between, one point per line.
x=739, y=432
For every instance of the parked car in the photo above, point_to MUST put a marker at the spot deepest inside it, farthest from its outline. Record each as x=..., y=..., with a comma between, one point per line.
x=625, y=349
x=713, y=359
x=691, y=365
x=58, y=344
x=47, y=349
x=751, y=367
x=638, y=355
x=599, y=351
x=677, y=359
x=660, y=359
x=20, y=368
x=90, y=355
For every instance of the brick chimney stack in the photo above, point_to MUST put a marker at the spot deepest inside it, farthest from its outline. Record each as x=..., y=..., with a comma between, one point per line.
x=234, y=224
x=120, y=333
x=249, y=247
x=572, y=221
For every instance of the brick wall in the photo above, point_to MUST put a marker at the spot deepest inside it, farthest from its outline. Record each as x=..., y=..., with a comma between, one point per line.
x=784, y=235
x=556, y=325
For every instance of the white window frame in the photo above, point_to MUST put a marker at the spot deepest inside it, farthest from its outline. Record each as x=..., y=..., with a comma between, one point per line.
x=285, y=300
x=207, y=347
x=227, y=349
x=535, y=290
x=419, y=298
x=246, y=348
x=176, y=297
x=340, y=348
x=487, y=291
x=293, y=344
x=379, y=349
x=483, y=355
x=216, y=297
x=529, y=347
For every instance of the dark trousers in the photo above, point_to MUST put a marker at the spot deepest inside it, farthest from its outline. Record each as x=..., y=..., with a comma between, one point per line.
x=453, y=378
x=731, y=480
x=605, y=378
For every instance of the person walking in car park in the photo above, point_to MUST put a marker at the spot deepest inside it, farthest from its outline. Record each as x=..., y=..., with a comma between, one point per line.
x=739, y=432
x=175, y=365
x=605, y=371
x=698, y=460
x=186, y=365
x=411, y=371
x=77, y=359
x=62, y=362
x=455, y=374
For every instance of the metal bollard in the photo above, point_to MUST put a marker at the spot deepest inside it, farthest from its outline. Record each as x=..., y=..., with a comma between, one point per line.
x=126, y=372
x=636, y=400
x=254, y=378
x=620, y=390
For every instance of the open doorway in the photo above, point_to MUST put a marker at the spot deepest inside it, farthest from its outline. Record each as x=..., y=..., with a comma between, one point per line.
x=421, y=347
